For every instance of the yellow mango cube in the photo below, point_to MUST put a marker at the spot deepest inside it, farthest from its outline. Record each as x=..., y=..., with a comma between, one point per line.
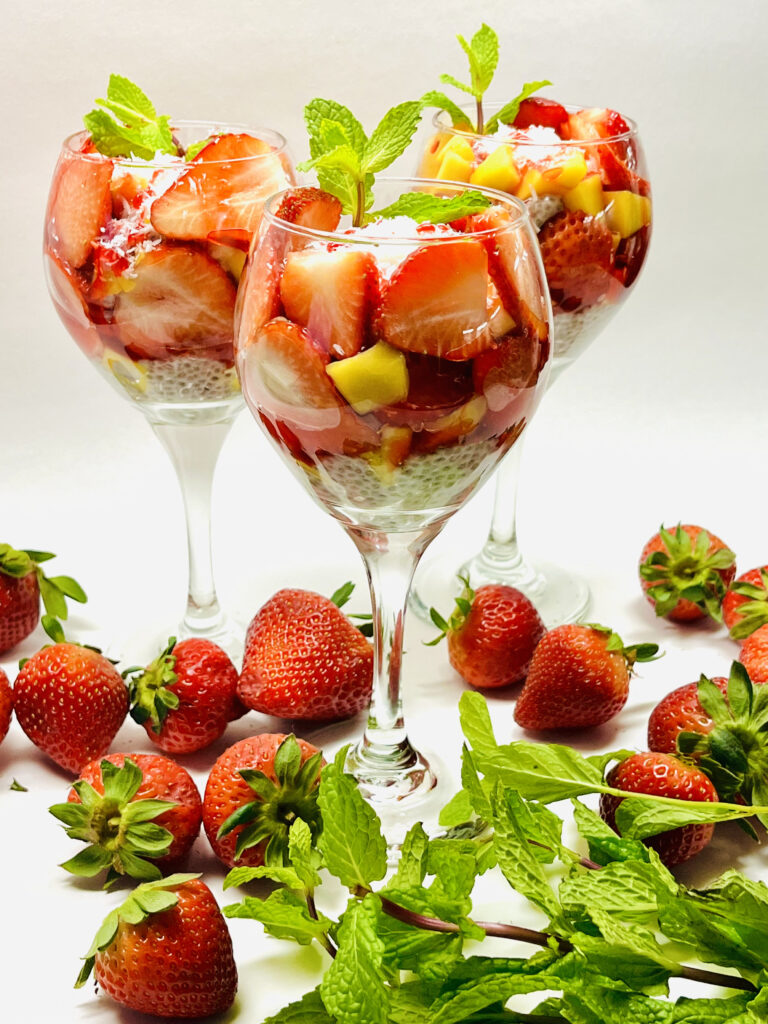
x=498, y=170
x=535, y=184
x=378, y=376
x=460, y=147
x=568, y=172
x=587, y=196
x=626, y=212
x=454, y=168
x=433, y=154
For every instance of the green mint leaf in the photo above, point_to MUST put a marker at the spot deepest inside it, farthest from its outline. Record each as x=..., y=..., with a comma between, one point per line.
x=307, y=1010
x=499, y=981
x=453, y=862
x=284, y=914
x=604, y=845
x=126, y=123
x=485, y=48
x=17, y=787
x=196, y=147
x=474, y=70
x=450, y=80
x=423, y=207
x=352, y=845
x=412, y=866
x=391, y=137
x=615, y=957
x=457, y=811
x=440, y=101
x=476, y=725
x=319, y=110
x=509, y=111
x=274, y=872
x=301, y=854
x=643, y=816
x=627, y=890
x=406, y=947
x=353, y=989
x=341, y=158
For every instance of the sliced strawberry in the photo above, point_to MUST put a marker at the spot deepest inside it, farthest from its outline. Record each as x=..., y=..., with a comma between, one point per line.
x=436, y=388
x=330, y=294
x=618, y=158
x=284, y=376
x=451, y=428
x=595, y=123
x=66, y=291
x=223, y=189
x=435, y=303
x=310, y=208
x=181, y=303
x=80, y=206
x=236, y=238
x=539, y=111
x=578, y=255
x=513, y=267
x=258, y=298
x=502, y=373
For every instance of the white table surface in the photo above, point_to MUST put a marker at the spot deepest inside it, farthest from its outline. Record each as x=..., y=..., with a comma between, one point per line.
x=663, y=419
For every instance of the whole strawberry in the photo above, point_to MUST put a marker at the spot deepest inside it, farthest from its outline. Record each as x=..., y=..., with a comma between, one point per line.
x=579, y=677
x=187, y=696
x=663, y=775
x=6, y=704
x=754, y=655
x=70, y=701
x=680, y=711
x=22, y=583
x=745, y=605
x=305, y=660
x=165, y=951
x=492, y=634
x=685, y=573
x=256, y=789
x=139, y=813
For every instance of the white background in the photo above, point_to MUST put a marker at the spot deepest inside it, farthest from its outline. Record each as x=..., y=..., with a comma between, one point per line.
x=664, y=418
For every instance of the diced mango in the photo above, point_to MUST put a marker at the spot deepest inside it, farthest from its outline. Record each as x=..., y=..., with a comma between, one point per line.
x=460, y=147
x=498, y=170
x=535, y=184
x=587, y=196
x=567, y=172
x=433, y=154
x=454, y=168
x=378, y=376
x=626, y=212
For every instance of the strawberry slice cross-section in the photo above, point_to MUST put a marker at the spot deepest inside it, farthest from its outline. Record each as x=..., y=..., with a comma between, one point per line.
x=81, y=204
x=181, y=303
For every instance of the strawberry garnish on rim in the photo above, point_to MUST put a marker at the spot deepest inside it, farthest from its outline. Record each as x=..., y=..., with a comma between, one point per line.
x=436, y=301
x=181, y=303
x=223, y=189
x=536, y=110
x=310, y=208
x=331, y=293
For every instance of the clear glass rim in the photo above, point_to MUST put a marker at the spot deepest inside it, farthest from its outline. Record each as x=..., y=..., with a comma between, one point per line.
x=513, y=205
x=208, y=127
x=438, y=120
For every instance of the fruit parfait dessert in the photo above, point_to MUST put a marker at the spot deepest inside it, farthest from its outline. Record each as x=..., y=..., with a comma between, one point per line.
x=581, y=173
x=393, y=337
x=146, y=232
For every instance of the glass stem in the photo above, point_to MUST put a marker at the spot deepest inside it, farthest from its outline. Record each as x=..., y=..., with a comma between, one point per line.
x=501, y=549
x=385, y=756
x=194, y=450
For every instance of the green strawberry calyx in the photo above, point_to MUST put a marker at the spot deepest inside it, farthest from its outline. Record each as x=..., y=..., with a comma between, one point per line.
x=687, y=571
x=268, y=818
x=630, y=652
x=151, y=689
x=121, y=832
x=146, y=899
x=734, y=754
x=54, y=590
x=458, y=616
x=753, y=613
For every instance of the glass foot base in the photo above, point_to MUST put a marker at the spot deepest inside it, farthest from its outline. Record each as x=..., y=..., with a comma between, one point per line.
x=228, y=633
x=559, y=596
x=143, y=645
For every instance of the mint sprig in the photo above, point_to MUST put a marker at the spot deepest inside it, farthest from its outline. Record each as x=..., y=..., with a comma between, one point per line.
x=482, y=53
x=54, y=590
x=127, y=124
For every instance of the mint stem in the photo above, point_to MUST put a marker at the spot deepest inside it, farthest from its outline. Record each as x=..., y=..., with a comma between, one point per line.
x=511, y=931
x=326, y=940
x=360, y=205
x=479, y=109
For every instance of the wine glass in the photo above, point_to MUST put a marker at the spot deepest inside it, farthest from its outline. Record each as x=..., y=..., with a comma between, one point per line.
x=142, y=259
x=393, y=366
x=589, y=199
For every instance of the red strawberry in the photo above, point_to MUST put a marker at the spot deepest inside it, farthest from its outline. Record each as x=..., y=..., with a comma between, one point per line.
x=310, y=208
x=139, y=813
x=79, y=207
x=680, y=711
x=492, y=635
x=6, y=705
x=223, y=189
x=283, y=371
x=70, y=701
x=513, y=266
x=577, y=251
x=66, y=288
x=745, y=605
x=754, y=655
x=166, y=951
x=595, y=123
x=436, y=302
x=436, y=387
x=540, y=111
x=235, y=238
x=330, y=293
x=255, y=791
x=181, y=303
x=579, y=677
x=618, y=157
x=186, y=697
x=685, y=574
x=22, y=582
x=502, y=373
x=663, y=775
x=304, y=659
